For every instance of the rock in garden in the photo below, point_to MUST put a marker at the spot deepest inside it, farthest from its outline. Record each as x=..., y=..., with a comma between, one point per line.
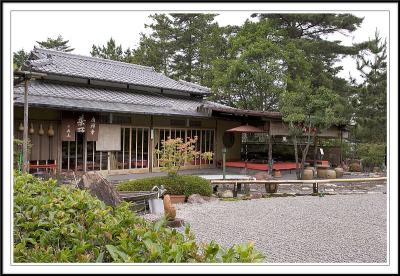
x=256, y=195
x=226, y=194
x=177, y=222
x=195, y=198
x=100, y=187
x=211, y=198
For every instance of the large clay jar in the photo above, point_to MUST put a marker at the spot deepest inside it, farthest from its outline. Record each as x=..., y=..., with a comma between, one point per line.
x=308, y=174
x=313, y=169
x=330, y=174
x=339, y=172
x=321, y=172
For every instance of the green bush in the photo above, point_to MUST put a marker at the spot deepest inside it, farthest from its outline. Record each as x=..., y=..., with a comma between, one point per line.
x=64, y=224
x=371, y=155
x=175, y=185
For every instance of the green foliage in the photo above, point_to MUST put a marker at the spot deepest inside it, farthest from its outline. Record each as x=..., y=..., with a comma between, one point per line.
x=369, y=100
x=60, y=224
x=183, y=45
x=17, y=153
x=251, y=76
x=19, y=58
x=355, y=167
x=58, y=44
x=371, y=155
x=112, y=51
x=157, y=48
x=175, y=185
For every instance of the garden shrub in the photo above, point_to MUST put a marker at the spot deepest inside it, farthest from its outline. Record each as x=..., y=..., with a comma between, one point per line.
x=371, y=155
x=355, y=167
x=175, y=185
x=64, y=224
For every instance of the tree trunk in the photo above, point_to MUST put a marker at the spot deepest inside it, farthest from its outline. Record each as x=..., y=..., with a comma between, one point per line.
x=270, y=154
x=296, y=156
x=315, y=150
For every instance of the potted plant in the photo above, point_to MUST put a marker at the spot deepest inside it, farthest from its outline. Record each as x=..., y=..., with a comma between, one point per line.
x=173, y=155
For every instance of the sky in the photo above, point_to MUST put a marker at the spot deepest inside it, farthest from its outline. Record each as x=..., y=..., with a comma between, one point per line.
x=85, y=28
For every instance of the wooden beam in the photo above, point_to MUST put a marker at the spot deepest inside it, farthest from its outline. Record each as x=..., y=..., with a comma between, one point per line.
x=25, y=167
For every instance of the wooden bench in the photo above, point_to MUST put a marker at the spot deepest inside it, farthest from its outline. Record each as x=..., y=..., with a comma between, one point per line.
x=43, y=164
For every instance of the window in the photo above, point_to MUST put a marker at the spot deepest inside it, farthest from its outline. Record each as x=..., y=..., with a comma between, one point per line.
x=205, y=142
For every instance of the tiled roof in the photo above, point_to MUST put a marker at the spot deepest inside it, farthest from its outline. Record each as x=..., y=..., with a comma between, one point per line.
x=67, y=64
x=56, y=95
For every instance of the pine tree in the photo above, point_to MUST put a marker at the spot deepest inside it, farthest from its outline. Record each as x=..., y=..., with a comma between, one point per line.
x=58, y=44
x=19, y=58
x=370, y=99
x=112, y=51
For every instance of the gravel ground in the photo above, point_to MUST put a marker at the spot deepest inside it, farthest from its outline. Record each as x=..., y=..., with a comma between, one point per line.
x=304, y=229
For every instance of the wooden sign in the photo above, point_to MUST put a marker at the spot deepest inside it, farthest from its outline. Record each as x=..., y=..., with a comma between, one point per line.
x=68, y=130
x=92, y=128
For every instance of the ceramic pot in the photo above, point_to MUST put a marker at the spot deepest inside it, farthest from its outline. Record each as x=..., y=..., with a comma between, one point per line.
x=308, y=174
x=330, y=174
x=321, y=172
x=339, y=172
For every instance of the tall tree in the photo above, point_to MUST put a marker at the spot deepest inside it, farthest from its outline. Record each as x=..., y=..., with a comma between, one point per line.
x=112, y=51
x=251, y=76
x=312, y=100
x=157, y=48
x=370, y=99
x=58, y=44
x=192, y=31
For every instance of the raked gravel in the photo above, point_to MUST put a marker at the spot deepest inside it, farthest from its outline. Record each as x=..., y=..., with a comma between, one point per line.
x=303, y=229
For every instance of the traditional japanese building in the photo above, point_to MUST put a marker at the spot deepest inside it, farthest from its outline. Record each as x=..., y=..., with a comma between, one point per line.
x=88, y=113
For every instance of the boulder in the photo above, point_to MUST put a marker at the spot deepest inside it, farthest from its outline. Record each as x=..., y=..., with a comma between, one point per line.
x=195, y=198
x=226, y=194
x=256, y=195
x=100, y=187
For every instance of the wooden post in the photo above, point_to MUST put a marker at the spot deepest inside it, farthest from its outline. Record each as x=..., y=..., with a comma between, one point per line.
x=25, y=135
x=270, y=154
x=315, y=151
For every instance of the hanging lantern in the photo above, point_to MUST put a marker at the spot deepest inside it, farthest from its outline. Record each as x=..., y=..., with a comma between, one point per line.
x=41, y=131
x=50, y=132
x=31, y=130
x=21, y=127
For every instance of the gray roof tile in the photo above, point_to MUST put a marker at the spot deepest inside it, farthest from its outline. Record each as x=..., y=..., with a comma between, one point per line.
x=67, y=64
x=56, y=95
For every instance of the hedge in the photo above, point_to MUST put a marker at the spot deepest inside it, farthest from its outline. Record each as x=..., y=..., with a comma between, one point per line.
x=175, y=185
x=64, y=224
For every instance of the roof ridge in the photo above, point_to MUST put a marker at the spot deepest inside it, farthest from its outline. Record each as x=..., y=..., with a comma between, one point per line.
x=60, y=53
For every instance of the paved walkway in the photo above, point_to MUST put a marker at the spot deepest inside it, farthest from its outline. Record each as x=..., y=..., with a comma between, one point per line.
x=306, y=229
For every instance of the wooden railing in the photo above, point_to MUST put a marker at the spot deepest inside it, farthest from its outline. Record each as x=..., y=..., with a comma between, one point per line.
x=315, y=182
